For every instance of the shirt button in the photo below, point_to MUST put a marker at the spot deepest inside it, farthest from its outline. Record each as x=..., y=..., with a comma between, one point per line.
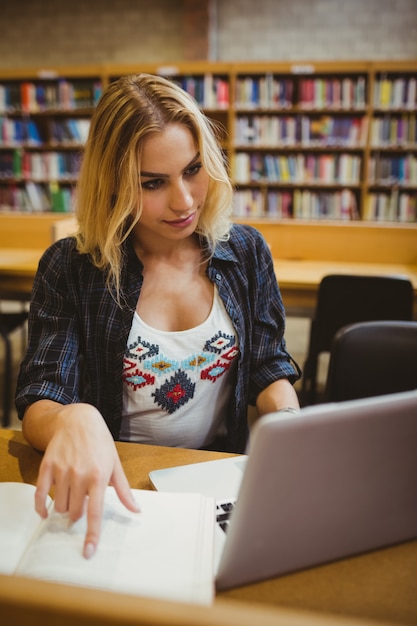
x=218, y=277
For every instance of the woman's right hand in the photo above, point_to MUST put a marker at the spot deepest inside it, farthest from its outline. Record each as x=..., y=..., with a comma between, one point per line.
x=80, y=460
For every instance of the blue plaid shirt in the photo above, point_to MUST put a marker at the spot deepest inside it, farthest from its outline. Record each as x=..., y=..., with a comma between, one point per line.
x=78, y=334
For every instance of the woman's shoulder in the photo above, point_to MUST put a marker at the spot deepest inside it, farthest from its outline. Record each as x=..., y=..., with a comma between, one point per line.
x=63, y=250
x=63, y=269
x=245, y=231
x=245, y=245
x=245, y=237
x=62, y=257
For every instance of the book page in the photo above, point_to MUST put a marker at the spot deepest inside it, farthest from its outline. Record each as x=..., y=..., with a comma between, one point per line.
x=18, y=522
x=164, y=551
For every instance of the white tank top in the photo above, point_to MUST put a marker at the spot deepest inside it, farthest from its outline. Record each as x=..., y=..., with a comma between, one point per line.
x=177, y=385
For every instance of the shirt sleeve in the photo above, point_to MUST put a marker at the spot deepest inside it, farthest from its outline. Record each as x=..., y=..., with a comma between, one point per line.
x=270, y=360
x=51, y=367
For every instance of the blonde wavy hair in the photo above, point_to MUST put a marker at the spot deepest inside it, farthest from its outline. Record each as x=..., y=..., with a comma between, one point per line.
x=108, y=195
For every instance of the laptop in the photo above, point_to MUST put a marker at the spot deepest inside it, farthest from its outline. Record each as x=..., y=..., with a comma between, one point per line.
x=335, y=480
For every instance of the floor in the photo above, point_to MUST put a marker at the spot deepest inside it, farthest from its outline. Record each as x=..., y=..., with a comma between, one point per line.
x=296, y=337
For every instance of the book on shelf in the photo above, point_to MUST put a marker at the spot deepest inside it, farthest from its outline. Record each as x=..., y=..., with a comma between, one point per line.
x=333, y=93
x=264, y=92
x=279, y=204
x=302, y=168
x=10, y=198
x=10, y=164
x=407, y=207
x=35, y=197
x=395, y=92
x=78, y=129
x=50, y=165
x=248, y=203
x=210, y=92
x=32, y=133
x=61, y=198
x=38, y=199
x=392, y=170
x=39, y=96
x=222, y=93
x=392, y=131
x=18, y=132
x=165, y=551
x=397, y=206
x=241, y=167
x=69, y=131
x=340, y=205
x=28, y=97
x=302, y=130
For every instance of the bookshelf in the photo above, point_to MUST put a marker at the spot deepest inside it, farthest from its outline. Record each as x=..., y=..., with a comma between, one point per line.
x=392, y=172
x=44, y=122
x=309, y=142
x=300, y=132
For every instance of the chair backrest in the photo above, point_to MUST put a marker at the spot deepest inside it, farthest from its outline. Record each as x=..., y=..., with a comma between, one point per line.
x=346, y=299
x=372, y=358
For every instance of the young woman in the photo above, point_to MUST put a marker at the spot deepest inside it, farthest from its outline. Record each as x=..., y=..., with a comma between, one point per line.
x=160, y=322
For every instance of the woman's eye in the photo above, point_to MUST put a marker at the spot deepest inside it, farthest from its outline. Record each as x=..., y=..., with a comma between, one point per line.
x=194, y=169
x=155, y=183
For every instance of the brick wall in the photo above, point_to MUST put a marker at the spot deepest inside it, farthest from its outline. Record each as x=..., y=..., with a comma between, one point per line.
x=316, y=29
x=80, y=32
x=196, y=20
x=61, y=32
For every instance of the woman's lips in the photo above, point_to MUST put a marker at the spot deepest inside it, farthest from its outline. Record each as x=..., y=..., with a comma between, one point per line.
x=181, y=223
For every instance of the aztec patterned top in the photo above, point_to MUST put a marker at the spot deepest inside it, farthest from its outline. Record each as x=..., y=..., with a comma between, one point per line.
x=177, y=385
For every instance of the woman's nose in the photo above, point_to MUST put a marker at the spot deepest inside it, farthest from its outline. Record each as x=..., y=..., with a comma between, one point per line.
x=181, y=198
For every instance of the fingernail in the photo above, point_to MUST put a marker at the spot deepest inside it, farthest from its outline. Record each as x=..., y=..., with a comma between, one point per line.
x=89, y=550
x=136, y=505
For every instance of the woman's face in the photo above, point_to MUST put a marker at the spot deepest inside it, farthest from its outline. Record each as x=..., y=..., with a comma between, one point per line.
x=174, y=185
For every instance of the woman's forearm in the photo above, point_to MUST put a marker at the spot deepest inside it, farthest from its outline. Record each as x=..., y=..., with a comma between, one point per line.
x=278, y=395
x=43, y=418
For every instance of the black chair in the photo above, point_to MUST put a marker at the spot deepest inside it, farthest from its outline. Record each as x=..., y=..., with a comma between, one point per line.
x=372, y=359
x=9, y=322
x=344, y=299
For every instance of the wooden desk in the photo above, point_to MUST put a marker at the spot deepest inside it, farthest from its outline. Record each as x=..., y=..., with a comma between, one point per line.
x=381, y=585
x=298, y=279
x=17, y=270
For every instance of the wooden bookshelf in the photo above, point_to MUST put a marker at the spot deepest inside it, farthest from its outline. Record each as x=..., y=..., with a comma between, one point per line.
x=44, y=121
x=299, y=136
x=392, y=145
x=308, y=143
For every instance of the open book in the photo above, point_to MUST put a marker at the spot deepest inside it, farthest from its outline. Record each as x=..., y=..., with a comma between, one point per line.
x=165, y=551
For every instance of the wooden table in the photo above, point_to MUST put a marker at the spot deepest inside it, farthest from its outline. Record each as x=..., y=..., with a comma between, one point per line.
x=298, y=279
x=17, y=270
x=381, y=585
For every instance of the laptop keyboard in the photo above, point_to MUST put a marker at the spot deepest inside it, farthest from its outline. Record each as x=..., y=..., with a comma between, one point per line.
x=223, y=511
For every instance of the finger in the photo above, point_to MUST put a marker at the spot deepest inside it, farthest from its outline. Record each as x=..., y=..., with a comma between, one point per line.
x=43, y=486
x=122, y=487
x=62, y=494
x=94, y=517
x=77, y=501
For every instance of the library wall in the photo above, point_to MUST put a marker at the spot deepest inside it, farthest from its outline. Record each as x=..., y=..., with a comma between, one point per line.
x=38, y=33
x=317, y=29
